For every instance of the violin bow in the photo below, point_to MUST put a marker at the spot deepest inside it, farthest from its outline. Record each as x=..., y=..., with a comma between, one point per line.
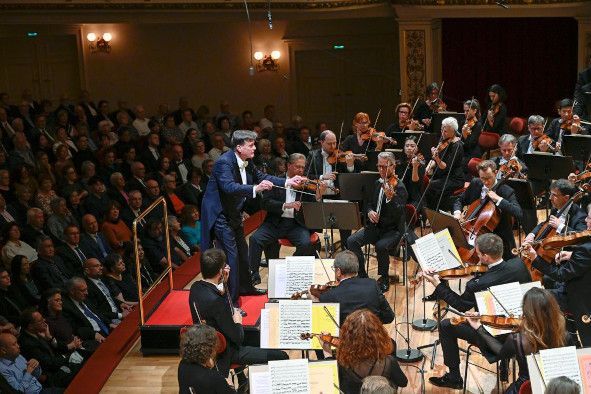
x=323, y=266
x=330, y=316
x=374, y=126
x=499, y=302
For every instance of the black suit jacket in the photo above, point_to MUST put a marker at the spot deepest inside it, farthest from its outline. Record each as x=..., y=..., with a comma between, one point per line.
x=314, y=165
x=174, y=166
x=189, y=194
x=392, y=213
x=71, y=260
x=149, y=161
x=80, y=324
x=583, y=95
x=49, y=358
x=215, y=310
x=508, y=208
x=12, y=212
x=513, y=270
x=300, y=147
x=89, y=243
x=358, y=293
x=522, y=146
x=575, y=220
x=99, y=303
x=273, y=201
x=50, y=274
x=134, y=184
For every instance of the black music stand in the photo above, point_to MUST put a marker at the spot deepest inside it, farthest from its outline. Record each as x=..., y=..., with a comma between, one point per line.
x=372, y=161
x=426, y=141
x=357, y=186
x=441, y=220
x=544, y=166
x=578, y=146
x=329, y=214
x=523, y=192
x=438, y=118
x=399, y=155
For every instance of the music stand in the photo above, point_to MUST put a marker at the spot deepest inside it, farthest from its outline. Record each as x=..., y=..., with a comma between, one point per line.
x=399, y=155
x=438, y=118
x=523, y=192
x=357, y=186
x=332, y=215
x=543, y=166
x=426, y=141
x=578, y=146
x=372, y=161
x=440, y=221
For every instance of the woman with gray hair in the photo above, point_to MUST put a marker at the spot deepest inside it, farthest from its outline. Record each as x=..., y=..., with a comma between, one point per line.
x=196, y=370
x=445, y=168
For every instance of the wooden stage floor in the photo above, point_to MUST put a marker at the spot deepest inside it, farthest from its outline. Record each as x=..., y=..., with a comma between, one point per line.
x=158, y=374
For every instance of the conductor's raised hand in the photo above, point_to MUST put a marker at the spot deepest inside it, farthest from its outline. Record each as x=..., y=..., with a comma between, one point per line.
x=264, y=185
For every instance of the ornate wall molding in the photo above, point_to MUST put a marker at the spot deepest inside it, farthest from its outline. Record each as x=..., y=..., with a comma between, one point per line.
x=414, y=41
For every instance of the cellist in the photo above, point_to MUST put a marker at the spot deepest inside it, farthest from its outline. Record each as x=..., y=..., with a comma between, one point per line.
x=485, y=187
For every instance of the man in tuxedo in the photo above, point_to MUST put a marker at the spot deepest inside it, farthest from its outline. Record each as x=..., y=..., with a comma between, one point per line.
x=179, y=165
x=190, y=192
x=486, y=188
x=138, y=178
x=283, y=219
x=97, y=202
x=354, y=293
x=72, y=252
x=151, y=156
x=214, y=307
x=49, y=271
x=133, y=209
x=566, y=123
x=231, y=184
x=573, y=268
x=386, y=224
x=489, y=248
x=582, y=95
x=92, y=239
x=83, y=318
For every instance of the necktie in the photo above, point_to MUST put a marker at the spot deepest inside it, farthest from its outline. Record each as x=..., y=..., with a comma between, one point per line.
x=89, y=314
x=80, y=255
x=97, y=239
x=107, y=294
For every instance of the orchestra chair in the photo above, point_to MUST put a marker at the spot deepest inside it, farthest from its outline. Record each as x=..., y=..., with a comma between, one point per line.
x=314, y=239
x=488, y=141
x=525, y=387
x=491, y=358
x=518, y=126
x=473, y=166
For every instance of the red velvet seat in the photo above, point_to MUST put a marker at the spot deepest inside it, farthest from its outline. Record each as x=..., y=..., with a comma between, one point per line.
x=488, y=141
x=473, y=166
x=518, y=126
x=313, y=240
x=525, y=388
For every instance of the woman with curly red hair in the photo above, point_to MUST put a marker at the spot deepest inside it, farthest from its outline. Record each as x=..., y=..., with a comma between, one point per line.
x=365, y=349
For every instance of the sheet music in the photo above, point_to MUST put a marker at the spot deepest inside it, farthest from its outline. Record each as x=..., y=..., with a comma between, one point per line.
x=289, y=376
x=430, y=254
x=260, y=382
x=324, y=375
x=300, y=273
x=264, y=328
x=295, y=318
x=560, y=362
x=277, y=278
x=446, y=245
x=585, y=368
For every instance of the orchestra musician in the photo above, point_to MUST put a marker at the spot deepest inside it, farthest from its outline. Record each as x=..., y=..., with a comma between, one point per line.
x=471, y=133
x=573, y=268
x=566, y=123
x=354, y=293
x=232, y=182
x=432, y=104
x=496, y=116
x=508, y=148
x=386, y=214
x=359, y=143
x=489, y=248
x=503, y=197
x=412, y=170
x=283, y=219
x=208, y=297
x=404, y=121
x=445, y=168
x=527, y=143
x=543, y=327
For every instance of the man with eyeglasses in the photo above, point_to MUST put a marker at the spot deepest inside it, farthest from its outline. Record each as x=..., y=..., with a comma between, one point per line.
x=283, y=220
x=386, y=224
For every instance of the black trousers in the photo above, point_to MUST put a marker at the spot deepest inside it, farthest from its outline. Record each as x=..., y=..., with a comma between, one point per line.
x=383, y=242
x=448, y=336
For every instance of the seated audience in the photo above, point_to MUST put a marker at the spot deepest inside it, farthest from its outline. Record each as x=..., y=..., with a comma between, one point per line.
x=49, y=271
x=21, y=278
x=115, y=229
x=83, y=317
x=13, y=246
x=21, y=374
x=191, y=226
x=119, y=280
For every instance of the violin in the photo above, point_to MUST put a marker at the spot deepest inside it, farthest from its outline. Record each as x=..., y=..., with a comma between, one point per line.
x=557, y=242
x=543, y=138
x=584, y=175
x=313, y=185
x=390, y=185
x=420, y=158
x=462, y=271
x=378, y=136
x=512, y=166
x=467, y=127
x=566, y=125
x=334, y=341
x=315, y=290
x=494, y=321
x=338, y=156
x=412, y=125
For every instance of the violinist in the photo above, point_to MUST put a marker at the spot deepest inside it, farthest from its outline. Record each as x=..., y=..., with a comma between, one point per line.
x=354, y=293
x=566, y=123
x=471, y=133
x=404, y=121
x=503, y=196
x=283, y=219
x=508, y=148
x=447, y=158
x=412, y=170
x=542, y=327
x=496, y=116
x=385, y=226
x=209, y=297
x=425, y=109
x=536, y=140
x=360, y=142
x=574, y=269
x=489, y=248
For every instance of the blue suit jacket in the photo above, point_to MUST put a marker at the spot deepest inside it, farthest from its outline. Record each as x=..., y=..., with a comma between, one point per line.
x=225, y=193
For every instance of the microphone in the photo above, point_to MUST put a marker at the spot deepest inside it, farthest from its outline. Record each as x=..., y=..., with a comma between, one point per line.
x=270, y=17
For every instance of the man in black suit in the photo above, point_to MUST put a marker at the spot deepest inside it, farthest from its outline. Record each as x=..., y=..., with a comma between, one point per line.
x=191, y=192
x=83, y=318
x=151, y=156
x=582, y=95
x=97, y=202
x=573, y=268
x=133, y=209
x=49, y=271
x=566, y=123
x=485, y=189
x=138, y=179
x=354, y=293
x=535, y=126
x=283, y=220
x=303, y=144
x=386, y=214
x=72, y=252
x=92, y=239
x=214, y=307
x=34, y=229
x=489, y=248
x=179, y=165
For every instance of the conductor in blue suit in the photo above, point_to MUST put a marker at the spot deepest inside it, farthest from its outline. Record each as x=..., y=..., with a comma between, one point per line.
x=234, y=180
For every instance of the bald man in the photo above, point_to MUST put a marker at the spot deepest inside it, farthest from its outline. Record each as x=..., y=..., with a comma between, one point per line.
x=21, y=375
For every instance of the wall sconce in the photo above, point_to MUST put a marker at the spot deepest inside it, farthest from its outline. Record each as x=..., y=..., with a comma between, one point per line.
x=267, y=62
x=98, y=43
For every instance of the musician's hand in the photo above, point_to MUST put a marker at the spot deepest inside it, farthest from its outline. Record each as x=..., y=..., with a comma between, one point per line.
x=490, y=116
x=264, y=185
x=373, y=216
x=458, y=215
x=434, y=151
x=415, y=162
x=431, y=277
x=529, y=239
x=350, y=160
x=245, y=216
x=554, y=221
x=426, y=121
x=329, y=177
x=472, y=320
x=576, y=125
x=226, y=273
x=562, y=256
x=237, y=317
x=543, y=146
x=572, y=177
x=530, y=252
x=295, y=181
x=557, y=146
x=294, y=204
x=325, y=345
x=493, y=196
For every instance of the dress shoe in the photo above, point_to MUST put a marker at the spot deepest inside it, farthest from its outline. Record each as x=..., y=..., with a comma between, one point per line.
x=263, y=263
x=447, y=381
x=384, y=283
x=252, y=291
x=255, y=279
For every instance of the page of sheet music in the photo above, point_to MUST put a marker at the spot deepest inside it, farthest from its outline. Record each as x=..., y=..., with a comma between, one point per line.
x=429, y=253
x=560, y=362
x=300, y=273
x=295, y=318
x=585, y=368
x=289, y=376
x=278, y=279
x=447, y=246
x=264, y=328
x=260, y=382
